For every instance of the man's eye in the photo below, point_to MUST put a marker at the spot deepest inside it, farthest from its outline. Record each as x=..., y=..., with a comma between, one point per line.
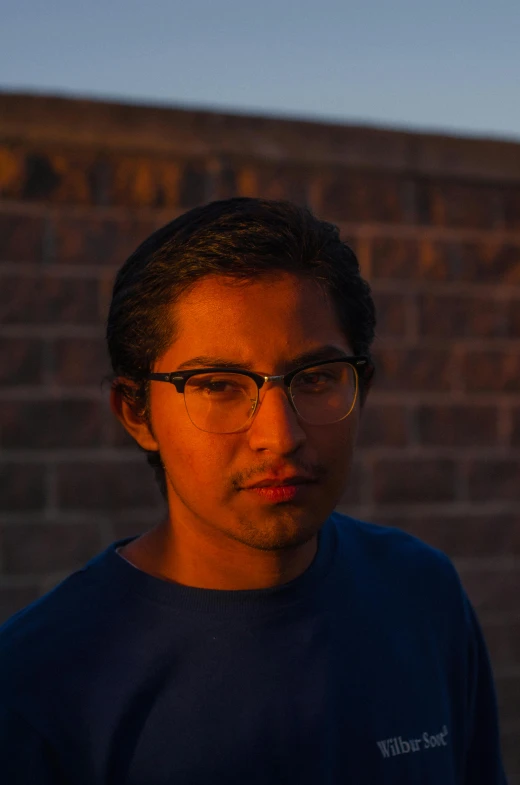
x=315, y=378
x=217, y=387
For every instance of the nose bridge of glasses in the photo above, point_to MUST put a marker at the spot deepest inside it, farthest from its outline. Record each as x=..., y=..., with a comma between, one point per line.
x=270, y=382
x=269, y=379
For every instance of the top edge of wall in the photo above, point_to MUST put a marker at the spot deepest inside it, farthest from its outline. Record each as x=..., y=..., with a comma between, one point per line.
x=42, y=119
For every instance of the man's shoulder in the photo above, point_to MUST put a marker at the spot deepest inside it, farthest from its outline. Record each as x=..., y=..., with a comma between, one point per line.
x=376, y=536
x=58, y=620
x=397, y=556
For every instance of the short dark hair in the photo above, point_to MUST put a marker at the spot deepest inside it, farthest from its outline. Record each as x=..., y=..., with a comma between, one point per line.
x=241, y=238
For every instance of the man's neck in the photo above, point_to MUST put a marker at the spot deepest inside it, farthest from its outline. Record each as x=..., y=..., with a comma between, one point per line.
x=227, y=566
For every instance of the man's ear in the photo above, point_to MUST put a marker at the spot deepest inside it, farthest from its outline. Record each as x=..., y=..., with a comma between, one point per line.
x=132, y=421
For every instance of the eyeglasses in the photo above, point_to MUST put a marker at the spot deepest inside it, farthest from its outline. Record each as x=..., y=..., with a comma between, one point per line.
x=220, y=400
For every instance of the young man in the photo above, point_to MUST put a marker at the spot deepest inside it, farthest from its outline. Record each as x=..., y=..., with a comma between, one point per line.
x=255, y=635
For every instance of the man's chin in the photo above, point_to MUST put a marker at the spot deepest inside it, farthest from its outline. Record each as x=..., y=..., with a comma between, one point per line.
x=288, y=531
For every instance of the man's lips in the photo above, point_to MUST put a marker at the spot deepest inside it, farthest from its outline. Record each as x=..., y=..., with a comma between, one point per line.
x=283, y=492
x=276, y=482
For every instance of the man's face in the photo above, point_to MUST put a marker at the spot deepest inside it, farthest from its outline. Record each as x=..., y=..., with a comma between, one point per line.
x=261, y=325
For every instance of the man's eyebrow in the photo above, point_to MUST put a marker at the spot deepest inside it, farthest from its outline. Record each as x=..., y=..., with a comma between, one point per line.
x=314, y=355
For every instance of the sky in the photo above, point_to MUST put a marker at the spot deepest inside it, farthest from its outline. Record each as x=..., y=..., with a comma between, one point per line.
x=442, y=66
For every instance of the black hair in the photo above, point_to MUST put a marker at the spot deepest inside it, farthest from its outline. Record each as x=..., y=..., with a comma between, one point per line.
x=241, y=238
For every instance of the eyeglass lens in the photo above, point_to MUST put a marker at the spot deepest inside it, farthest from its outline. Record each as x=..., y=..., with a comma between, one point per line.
x=224, y=402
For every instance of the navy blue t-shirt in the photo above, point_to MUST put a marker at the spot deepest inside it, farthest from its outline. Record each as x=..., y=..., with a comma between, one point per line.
x=368, y=669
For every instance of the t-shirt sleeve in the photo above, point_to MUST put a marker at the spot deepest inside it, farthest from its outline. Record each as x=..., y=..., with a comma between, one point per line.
x=26, y=758
x=483, y=761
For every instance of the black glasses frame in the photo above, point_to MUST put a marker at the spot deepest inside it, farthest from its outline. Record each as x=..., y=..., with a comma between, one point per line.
x=361, y=363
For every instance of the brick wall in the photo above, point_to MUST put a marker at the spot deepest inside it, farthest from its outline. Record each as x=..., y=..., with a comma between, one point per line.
x=436, y=225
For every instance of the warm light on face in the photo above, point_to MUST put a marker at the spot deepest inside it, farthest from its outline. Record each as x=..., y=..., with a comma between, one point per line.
x=269, y=327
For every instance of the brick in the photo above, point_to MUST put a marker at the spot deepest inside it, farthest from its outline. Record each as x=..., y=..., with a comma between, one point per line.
x=416, y=481
x=22, y=486
x=50, y=424
x=21, y=238
x=503, y=641
x=48, y=547
x=492, y=591
x=494, y=262
x=224, y=173
x=510, y=744
x=352, y=196
x=515, y=426
x=80, y=361
x=168, y=182
x=512, y=310
x=442, y=261
x=458, y=204
x=55, y=177
x=247, y=181
x=508, y=696
x=493, y=479
x=357, y=485
x=511, y=207
x=59, y=177
x=30, y=299
x=110, y=486
x=444, y=316
x=391, y=310
x=383, y=425
x=413, y=370
x=134, y=183
x=195, y=184
x=22, y=361
x=486, y=262
x=491, y=371
x=395, y=258
x=458, y=426
x=11, y=171
x=282, y=181
x=97, y=241
x=140, y=181
x=100, y=176
x=13, y=599
x=41, y=180
x=476, y=535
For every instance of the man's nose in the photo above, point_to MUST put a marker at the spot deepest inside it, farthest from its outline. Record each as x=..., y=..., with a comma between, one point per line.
x=276, y=426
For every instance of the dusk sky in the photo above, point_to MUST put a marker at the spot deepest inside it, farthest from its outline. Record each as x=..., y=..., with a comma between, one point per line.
x=444, y=66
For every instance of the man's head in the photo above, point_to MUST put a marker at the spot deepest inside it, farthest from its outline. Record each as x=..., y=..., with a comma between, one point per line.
x=258, y=283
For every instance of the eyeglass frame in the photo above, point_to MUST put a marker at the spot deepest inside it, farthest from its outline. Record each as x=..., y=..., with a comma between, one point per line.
x=179, y=378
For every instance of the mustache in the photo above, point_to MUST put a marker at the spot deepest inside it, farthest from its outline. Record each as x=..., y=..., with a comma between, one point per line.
x=251, y=475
